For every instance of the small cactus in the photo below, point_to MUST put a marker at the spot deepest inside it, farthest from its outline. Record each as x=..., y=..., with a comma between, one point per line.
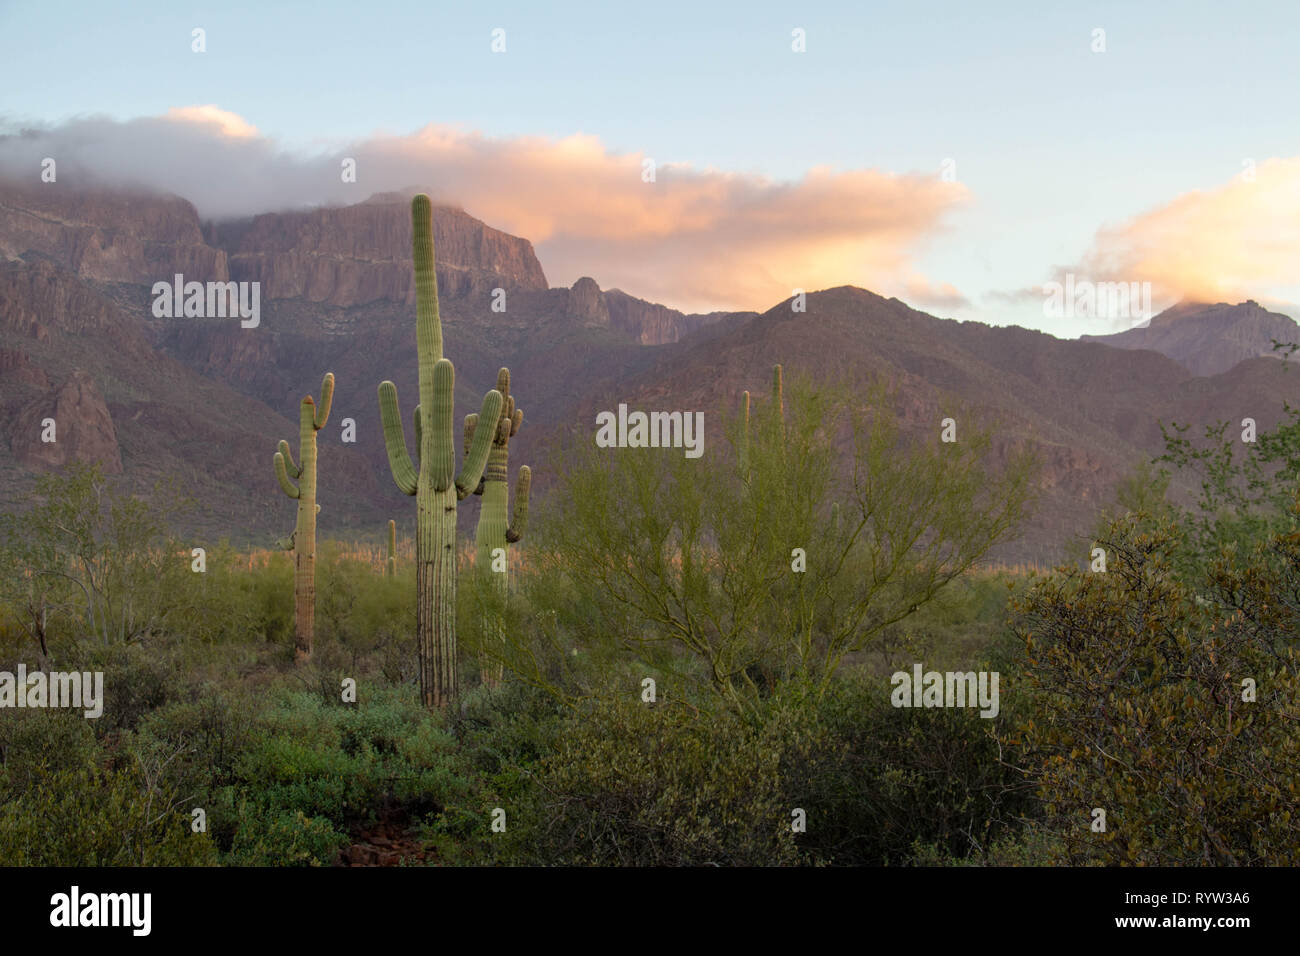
x=311, y=419
x=390, y=566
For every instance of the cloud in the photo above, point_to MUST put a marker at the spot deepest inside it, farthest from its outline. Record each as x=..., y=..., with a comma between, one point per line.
x=230, y=124
x=1238, y=241
x=697, y=239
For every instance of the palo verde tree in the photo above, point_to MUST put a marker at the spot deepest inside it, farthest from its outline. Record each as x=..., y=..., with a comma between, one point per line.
x=433, y=479
x=770, y=557
x=311, y=419
x=90, y=562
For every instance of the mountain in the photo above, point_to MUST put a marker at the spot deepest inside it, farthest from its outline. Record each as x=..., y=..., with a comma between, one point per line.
x=70, y=353
x=1208, y=339
x=207, y=399
x=204, y=400
x=1089, y=411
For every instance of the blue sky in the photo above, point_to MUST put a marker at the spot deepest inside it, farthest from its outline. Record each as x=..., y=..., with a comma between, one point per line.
x=1051, y=140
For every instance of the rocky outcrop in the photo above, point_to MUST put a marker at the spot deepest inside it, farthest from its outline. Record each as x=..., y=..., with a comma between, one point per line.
x=1209, y=339
x=38, y=299
x=107, y=236
x=356, y=255
x=587, y=302
x=648, y=322
x=16, y=366
x=82, y=429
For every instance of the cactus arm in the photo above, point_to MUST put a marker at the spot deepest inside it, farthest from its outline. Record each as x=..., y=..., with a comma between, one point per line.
x=293, y=470
x=471, y=470
x=326, y=398
x=441, y=454
x=419, y=435
x=283, y=476
x=285, y=544
x=399, y=461
x=516, y=419
x=471, y=422
x=520, y=521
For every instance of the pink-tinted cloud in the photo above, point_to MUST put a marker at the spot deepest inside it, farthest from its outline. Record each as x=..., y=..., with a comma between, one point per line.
x=1238, y=241
x=697, y=239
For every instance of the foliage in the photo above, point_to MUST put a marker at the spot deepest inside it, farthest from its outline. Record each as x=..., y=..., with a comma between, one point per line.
x=1139, y=706
x=688, y=564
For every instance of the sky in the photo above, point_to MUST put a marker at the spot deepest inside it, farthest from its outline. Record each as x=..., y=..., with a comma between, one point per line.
x=959, y=156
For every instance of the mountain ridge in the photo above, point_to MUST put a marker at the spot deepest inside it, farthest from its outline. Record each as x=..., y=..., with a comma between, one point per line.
x=207, y=400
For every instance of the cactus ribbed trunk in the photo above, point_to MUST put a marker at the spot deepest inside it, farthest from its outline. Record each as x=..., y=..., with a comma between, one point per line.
x=435, y=590
x=390, y=566
x=491, y=534
x=304, y=539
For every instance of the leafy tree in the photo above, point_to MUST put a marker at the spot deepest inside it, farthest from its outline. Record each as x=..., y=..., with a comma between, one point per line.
x=817, y=530
x=90, y=557
x=1243, y=488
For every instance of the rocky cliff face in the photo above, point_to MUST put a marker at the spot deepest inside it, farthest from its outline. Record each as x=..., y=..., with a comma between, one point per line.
x=107, y=236
x=357, y=255
x=77, y=418
x=345, y=257
x=646, y=323
x=41, y=301
x=16, y=366
x=1209, y=339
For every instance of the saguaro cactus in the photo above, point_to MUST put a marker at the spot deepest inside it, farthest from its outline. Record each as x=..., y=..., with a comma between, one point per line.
x=495, y=530
x=433, y=479
x=778, y=405
x=311, y=419
x=390, y=566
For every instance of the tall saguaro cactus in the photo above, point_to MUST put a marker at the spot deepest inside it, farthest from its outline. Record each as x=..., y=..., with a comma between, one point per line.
x=495, y=529
x=311, y=419
x=778, y=405
x=433, y=479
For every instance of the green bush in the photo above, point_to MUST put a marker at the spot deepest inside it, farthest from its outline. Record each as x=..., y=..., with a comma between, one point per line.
x=65, y=803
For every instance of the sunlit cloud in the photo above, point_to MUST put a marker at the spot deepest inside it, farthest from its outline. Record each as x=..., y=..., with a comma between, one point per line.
x=696, y=239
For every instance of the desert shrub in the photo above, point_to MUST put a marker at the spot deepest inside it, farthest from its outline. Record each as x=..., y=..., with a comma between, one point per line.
x=64, y=802
x=284, y=838
x=901, y=778
x=1138, y=706
x=661, y=785
x=312, y=769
